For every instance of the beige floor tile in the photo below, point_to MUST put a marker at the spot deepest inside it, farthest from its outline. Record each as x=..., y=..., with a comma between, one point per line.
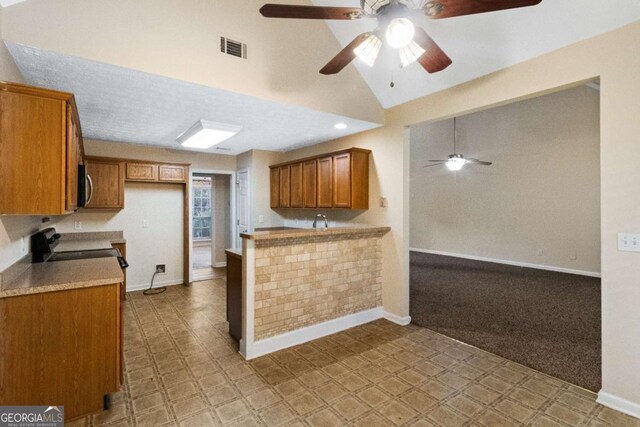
x=464, y=405
x=397, y=412
x=179, y=391
x=189, y=406
x=331, y=391
x=201, y=419
x=562, y=413
x=263, y=398
x=305, y=403
x=232, y=411
x=156, y=417
x=350, y=408
x=373, y=396
x=277, y=415
x=446, y=417
x=514, y=410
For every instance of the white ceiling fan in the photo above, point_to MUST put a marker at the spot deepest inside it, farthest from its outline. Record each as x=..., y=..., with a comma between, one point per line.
x=456, y=162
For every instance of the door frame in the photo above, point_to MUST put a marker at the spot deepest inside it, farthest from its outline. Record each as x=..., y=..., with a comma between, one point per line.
x=237, y=239
x=232, y=201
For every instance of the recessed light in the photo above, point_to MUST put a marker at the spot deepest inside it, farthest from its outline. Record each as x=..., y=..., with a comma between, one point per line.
x=205, y=134
x=340, y=126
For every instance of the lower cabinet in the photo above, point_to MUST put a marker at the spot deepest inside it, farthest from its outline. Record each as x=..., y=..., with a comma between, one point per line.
x=234, y=294
x=61, y=348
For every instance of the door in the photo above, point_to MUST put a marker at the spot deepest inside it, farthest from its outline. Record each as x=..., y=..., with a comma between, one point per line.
x=296, y=185
x=73, y=160
x=275, y=188
x=107, y=184
x=309, y=184
x=243, y=203
x=342, y=181
x=325, y=183
x=285, y=187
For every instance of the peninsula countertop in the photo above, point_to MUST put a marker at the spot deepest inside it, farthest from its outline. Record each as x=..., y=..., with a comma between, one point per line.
x=295, y=233
x=64, y=275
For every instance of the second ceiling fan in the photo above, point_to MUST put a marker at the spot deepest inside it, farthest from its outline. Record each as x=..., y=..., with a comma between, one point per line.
x=395, y=24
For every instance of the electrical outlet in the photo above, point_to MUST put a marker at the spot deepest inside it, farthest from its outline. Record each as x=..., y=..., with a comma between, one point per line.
x=77, y=225
x=160, y=268
x=540, y=252
x=628, y=242
x=383, y=202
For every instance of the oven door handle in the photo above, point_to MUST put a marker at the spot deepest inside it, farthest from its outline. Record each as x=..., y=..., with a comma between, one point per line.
x=90, y=181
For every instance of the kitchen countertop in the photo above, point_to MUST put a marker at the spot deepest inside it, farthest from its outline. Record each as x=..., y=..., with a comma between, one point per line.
x=64, y=275
x=234, y=252
x=82, y=245
x=313, y=232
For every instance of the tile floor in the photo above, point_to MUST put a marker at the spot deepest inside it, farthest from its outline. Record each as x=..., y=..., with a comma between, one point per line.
x=183, y=369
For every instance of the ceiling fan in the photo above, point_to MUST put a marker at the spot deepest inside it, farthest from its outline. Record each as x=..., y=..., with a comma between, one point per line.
x=395, y=24
x=456, y=162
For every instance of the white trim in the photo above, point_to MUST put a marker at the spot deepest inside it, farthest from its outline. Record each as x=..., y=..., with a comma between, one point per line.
x=220, y=264
x=248, y=296
x=143, y=286
x=309, y=333
x=619, y=404
x=514, y=263
x=402, y=321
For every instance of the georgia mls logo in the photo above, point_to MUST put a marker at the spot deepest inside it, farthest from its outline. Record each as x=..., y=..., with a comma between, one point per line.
x=31, y=416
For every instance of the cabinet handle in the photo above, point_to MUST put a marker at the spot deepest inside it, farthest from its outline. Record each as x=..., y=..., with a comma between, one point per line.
x=90, y=189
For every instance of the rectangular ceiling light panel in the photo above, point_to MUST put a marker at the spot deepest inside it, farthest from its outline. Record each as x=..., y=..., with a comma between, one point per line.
x=205, y=134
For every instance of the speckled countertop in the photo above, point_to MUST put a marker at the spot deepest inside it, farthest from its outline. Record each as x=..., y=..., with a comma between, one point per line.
x=296, y=233
x=64, y=275
x=234, y=252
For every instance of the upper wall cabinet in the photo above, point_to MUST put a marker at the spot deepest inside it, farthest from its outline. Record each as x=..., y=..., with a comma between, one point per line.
x=332, y=180
x=40, y=150
x=106, y=179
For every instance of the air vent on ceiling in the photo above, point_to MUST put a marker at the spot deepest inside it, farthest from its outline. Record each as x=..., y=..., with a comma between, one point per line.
x=233, y=48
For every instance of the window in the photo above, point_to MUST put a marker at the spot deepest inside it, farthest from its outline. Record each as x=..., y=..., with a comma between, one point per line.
x=201, y=217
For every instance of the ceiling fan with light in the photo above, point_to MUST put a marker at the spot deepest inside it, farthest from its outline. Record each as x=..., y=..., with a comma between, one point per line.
x=456, y=162
x=395, y=25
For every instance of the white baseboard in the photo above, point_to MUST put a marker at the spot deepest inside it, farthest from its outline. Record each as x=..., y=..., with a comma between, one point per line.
x=156, y=284
x=300, y=336
x=402, y=321
x=514, y=263
x=619, y=404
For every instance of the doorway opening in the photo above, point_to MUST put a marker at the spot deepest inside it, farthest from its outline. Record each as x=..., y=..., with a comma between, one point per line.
x=506, y=257
x=211, y=219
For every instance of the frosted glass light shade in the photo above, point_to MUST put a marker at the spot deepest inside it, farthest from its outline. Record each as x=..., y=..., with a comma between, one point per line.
x=455, y=164
x=369, y=49
x=400, y=33
x=410, y=53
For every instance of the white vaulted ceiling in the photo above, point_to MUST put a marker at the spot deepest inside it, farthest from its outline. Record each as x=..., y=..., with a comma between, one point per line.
x=125, y=105
x=482, y=44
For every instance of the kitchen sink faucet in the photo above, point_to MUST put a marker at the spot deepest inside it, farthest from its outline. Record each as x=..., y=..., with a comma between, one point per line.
x=315, y=221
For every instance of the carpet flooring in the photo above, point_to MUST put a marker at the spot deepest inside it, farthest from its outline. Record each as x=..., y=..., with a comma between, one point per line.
x=544, y=320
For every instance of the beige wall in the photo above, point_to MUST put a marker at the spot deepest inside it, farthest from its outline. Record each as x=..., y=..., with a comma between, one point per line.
x=180, y=39
x=8, y=70
x=506, y=211
x=161, y=242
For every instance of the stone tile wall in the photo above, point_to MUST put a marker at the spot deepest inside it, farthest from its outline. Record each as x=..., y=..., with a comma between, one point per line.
x=305, y=281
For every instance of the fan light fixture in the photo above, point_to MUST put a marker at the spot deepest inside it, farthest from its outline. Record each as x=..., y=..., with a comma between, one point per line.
x=369, y=49
x=410, y=53
x=205, y=134
x=455, y=163
x=400, y=33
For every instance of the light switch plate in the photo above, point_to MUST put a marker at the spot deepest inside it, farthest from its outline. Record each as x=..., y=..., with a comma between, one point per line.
x=628, y=242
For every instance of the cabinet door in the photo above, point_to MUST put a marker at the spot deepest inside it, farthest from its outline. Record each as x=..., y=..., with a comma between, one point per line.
x=275, y=187
x=342, y=180
x=285, y=187
x=296, y=185
x=325, y=182
x=73, y=160
x=172, y=173
x=142, y=172
x=309, y=184
x=107, y=179
x=32, y=158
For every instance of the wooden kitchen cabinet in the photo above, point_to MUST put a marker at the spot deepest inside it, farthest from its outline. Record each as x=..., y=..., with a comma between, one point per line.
x=275, y=187
x=309, y=184
x=333, y=180
x=285, y=187
x=142, y=171
x=172, y=173
x=61, y=348
x=106, y=190
x=295, y=187
x=40, y=150
x=325, y=182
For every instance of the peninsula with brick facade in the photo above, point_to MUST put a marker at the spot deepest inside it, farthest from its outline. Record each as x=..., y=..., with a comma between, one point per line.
x=302, y=284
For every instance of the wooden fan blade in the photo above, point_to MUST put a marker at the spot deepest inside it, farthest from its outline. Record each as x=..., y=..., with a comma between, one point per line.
x=450, y=8
x=433, y=59
x=310, y=12
x=345, y=56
